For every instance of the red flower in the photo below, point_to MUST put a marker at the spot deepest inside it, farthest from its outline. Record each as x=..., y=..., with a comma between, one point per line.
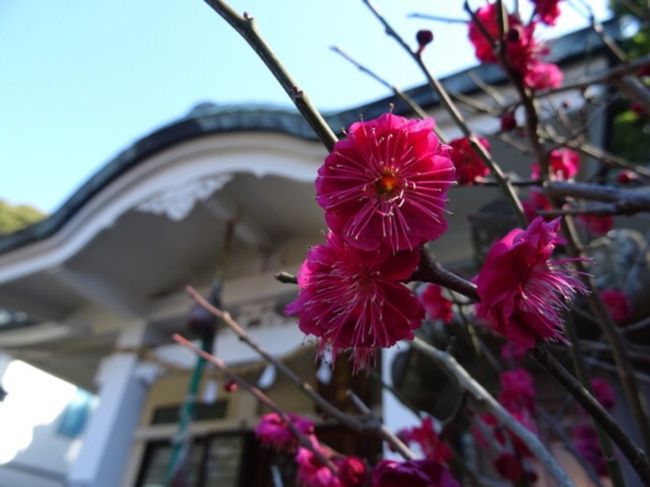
x=351, y=471
x=509, y=466
x=603, y=392
x=435, y=304
x=311, y=472
x=488, y=17
x=425, y=435
x=508, y=121
x=386, y=184
x=414, y=473
x=502, y=435
x=535, y=203
x=523, y=52
x=564, y=164
x=517, y=390
x=618, y=305
x=467, y=162
x=626, y=177
x=272, y=430
x=522, y=291
x=539, y=75
x=597, y=224
x=548, y=11
x=355, y=299
x=585, y=441
x=230, y=386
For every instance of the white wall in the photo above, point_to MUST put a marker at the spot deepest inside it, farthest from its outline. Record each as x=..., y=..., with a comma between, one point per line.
x=32, y=452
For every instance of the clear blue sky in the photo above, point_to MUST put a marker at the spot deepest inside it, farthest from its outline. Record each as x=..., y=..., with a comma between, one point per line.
x=82, y=79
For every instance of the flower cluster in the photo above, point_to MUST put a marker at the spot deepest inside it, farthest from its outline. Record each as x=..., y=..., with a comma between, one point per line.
x=517, y=390
x=523, y=291
x=618, y=305
x=273, y=431
x=436, y=306
x=428, y=440
x=522, y=51
x=351, y=471
x=383, y=189
x=517, y=396
x=585, y=437
x=563, y=163
x=414, y=473
x=547, y=11
x=469, y=166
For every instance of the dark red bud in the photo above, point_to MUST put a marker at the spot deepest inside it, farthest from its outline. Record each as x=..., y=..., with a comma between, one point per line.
x=508, y=121
x=626, y=177
x=230, y=386
x=424, y=37
x=200, y=320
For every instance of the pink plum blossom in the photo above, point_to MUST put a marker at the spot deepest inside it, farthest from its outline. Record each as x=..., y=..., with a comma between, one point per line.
x=535, y=203
x=597, y=224
x=467, y=162
x=522, y=51
x=488, y=17
x=354, y=299
x=523, y=291
x=386, y=184
x=272, y=430
x=413, y=473
x=509, y=466
x=311, y=472
x=352, y=471
x=585, y=441
x=540, y=75
x=564, y=165
x=436, y=305
x=517, y=390
x=426, y=437
x=603, y=392
x=618, y=305
x=548, y=11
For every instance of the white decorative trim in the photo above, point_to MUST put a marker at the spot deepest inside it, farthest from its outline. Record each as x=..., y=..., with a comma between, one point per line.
x=177, y=202
x=207, y=157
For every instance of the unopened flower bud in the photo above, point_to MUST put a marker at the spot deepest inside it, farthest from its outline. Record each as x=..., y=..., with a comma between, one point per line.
x=423, y=37
x=508, y=121
x=230, y=386
x=626, y=177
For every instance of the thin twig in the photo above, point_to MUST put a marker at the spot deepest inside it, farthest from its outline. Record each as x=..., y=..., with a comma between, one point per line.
x=466, y=382
x=437, y=18
x=258, y=394
x=345, y=419
x=245, y=26
x=637, y=457
x=430, y=270
x=557, y=429
x=410, y=102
